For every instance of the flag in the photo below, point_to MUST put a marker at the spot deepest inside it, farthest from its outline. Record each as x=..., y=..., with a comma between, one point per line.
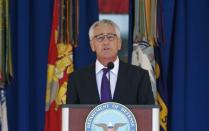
x=146, y=52
x=162, y=98
x=3, y=111
x=6, y=72
x=144, y=38
x=162, y=91
x=63, y=38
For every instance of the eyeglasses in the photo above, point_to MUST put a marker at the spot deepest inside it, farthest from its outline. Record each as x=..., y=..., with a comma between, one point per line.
x=101, y=37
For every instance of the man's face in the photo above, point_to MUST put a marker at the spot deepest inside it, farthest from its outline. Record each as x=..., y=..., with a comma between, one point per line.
x=105, y=42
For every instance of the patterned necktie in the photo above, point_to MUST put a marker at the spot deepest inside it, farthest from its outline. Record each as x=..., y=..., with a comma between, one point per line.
x=105, y=87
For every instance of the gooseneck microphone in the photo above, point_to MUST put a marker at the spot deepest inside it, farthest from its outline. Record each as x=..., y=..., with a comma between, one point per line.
x=110, y=66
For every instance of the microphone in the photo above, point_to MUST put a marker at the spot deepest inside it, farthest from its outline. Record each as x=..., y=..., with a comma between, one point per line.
x=110, y=65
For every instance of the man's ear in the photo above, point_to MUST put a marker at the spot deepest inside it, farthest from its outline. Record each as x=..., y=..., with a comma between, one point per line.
x=92, y=46
x=119, y=44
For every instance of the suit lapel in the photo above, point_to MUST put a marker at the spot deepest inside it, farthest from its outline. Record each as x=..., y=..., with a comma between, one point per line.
x=93, y=85
x=120, y=81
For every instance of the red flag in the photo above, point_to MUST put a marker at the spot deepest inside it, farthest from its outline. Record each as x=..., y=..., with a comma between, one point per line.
x=60, y=64
x=52, y=116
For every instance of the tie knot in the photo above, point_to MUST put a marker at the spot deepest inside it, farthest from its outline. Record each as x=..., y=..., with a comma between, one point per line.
x=105, y=70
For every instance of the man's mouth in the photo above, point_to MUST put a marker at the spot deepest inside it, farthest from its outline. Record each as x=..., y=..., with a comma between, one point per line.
x=106, y=48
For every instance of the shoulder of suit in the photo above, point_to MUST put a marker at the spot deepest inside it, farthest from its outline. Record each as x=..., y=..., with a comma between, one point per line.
x=82, y=70
x=132, y=67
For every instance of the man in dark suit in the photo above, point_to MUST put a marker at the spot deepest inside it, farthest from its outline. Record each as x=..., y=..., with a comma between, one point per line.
x=128, y=84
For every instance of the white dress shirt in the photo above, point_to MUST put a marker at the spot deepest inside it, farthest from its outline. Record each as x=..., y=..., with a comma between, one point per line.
x=113, y=76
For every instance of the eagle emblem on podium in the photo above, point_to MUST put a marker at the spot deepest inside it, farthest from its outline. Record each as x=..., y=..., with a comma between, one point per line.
x=110, y=116
x=110, y=126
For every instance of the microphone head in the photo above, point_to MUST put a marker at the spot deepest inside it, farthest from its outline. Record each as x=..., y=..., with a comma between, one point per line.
x=110, y=65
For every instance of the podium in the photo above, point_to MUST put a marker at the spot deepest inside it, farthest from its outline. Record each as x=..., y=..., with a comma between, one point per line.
x=74, y=117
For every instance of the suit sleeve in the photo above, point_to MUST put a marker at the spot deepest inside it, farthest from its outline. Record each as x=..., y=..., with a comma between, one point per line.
x=145, y=92
x=72, y=94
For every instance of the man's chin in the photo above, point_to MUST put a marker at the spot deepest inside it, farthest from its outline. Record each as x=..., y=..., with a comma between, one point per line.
x=110, y=57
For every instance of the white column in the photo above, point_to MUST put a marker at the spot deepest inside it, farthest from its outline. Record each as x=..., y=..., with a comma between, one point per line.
x=155, y=119
x=65, y=119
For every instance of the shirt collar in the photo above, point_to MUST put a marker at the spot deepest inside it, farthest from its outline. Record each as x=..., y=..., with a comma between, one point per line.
x=99, y=66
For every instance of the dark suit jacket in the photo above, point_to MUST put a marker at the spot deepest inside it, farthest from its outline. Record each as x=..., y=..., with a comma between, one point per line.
x=133, y=86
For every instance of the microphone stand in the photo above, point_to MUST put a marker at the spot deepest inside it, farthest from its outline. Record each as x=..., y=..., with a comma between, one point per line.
x=110, y=66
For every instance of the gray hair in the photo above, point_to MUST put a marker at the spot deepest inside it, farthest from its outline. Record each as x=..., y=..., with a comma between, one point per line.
x=101, y=22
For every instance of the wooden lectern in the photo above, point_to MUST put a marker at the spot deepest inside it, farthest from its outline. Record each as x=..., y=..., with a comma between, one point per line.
x=74, y=117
